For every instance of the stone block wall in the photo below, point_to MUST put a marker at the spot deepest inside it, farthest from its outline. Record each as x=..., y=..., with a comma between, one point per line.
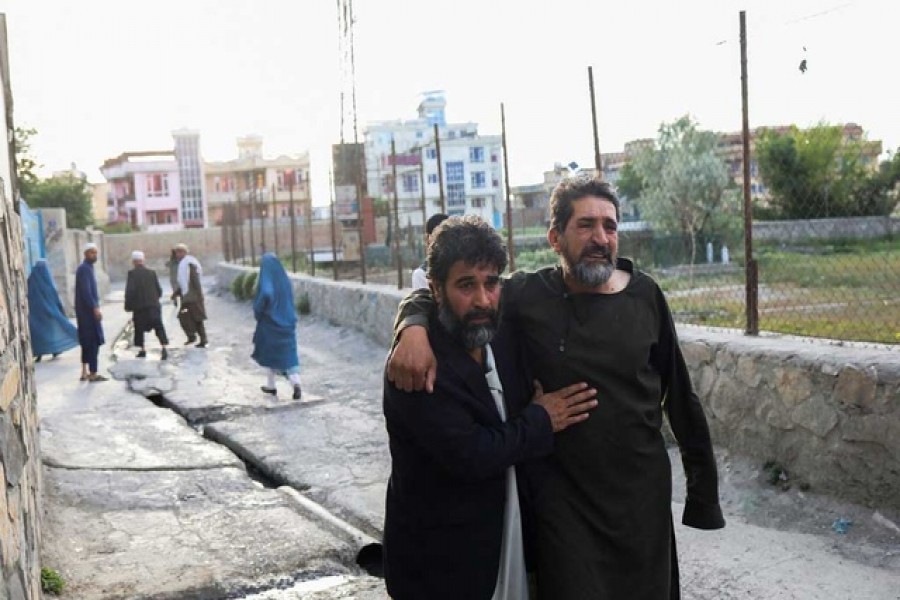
x=20, y=469
x=828, y=414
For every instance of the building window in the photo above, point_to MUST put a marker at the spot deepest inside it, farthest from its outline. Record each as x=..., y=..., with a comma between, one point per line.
x=287, y=178
x=493, y=158
x=410, y=183
x=478, y=202
x=418, y=135
x=168, y=217
x=479, y=180
x=431, y=153
x=451, y=135
x=432, y=178
x=496, y=183
x=476, y=154
x=456, y=195
x=455, y=172
x=157, y=185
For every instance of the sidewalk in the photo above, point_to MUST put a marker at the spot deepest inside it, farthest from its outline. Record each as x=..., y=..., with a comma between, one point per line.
x=137, y=504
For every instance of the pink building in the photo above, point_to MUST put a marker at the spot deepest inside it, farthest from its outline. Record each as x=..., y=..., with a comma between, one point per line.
x=144, y=190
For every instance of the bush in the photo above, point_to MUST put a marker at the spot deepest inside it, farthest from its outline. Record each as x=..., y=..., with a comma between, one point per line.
x=303, y=304
x=237, y=286
x=51, y=581
x=250, y=286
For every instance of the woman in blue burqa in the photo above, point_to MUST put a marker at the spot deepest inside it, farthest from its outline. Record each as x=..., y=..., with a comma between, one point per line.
x=275, y=338
x=51, y=330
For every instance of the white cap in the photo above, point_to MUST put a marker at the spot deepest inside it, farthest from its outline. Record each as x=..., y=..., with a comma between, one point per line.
x=89, y=246
x=137, y=255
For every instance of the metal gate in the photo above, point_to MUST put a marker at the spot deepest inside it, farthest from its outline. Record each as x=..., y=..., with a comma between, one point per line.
x=33, y=234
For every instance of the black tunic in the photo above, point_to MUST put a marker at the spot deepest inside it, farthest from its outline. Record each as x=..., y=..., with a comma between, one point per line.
x=603, y=500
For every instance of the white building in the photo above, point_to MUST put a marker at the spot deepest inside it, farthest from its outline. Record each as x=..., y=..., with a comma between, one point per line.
x=472, y=165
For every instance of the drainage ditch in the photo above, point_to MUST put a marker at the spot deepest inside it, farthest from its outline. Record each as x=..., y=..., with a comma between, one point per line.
x=368, y=556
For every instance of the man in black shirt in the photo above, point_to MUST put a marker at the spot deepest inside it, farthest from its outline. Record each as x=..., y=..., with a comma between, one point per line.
x=142, y=292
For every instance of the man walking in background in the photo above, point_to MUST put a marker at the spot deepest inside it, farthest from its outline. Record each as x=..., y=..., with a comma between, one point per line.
x=88, y=316
x=142, y=292
x=420, y=273
x=192, y=312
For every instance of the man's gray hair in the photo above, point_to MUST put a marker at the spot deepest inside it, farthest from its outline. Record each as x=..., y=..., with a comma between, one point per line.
x=575, y=188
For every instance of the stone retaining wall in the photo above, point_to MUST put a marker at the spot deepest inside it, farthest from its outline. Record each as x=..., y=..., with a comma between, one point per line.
x=20, y=460
x=828, y=414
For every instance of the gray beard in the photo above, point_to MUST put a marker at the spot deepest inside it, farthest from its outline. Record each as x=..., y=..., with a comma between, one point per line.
x=592, y=275
x=470, y=336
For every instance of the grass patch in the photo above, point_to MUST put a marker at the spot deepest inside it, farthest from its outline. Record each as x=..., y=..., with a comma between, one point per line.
x=51, y=581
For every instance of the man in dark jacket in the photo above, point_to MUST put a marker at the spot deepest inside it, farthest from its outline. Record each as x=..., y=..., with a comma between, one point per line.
x=142, y=292
x=453, y=520
x=603, y=513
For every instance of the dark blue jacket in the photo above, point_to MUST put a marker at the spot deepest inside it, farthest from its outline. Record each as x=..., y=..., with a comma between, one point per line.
x=450, y=451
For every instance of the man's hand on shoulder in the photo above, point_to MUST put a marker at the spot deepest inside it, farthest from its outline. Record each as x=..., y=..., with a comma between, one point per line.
x=412, y=365
x=566, y=406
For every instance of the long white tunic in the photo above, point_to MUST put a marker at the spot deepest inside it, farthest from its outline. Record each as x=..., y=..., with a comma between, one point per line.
x=512, y=580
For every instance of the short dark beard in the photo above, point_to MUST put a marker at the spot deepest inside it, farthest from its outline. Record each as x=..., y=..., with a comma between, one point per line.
x=471, y=336
x=590, y=275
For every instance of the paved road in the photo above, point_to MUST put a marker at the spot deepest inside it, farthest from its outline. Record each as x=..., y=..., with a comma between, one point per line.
x=331, y=447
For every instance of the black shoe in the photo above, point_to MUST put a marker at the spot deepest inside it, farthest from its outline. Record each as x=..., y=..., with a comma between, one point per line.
x=296, y=395
x=163, y=355
x=190, y=340
x=268, y=390
x=38, y=358
x=142, y=354
x=201, y=344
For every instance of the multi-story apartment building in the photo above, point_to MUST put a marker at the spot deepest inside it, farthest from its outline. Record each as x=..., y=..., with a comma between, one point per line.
x=144, y=190
x=158, y=190
x=256, y=186
x=472, y=165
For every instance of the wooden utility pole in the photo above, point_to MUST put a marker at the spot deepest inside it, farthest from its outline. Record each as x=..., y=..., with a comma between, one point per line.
x=598, y=161
x=396, y=236
x=293, y=223
x=250, y=184
x=333, y=236
x=437, y=145
x=510, y=247
x=422, y=182
x=752, y=273
x=275, y=223
x=309, y=221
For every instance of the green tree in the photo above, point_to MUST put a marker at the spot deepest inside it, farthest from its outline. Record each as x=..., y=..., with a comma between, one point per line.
x=813, y=173
x=26, y=164
x=685, y=185
x=70, y=193
x=629, y=185
x=878, y=194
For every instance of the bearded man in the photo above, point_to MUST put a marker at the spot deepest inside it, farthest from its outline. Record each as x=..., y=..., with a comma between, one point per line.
x=603, y=499
x=454, y=514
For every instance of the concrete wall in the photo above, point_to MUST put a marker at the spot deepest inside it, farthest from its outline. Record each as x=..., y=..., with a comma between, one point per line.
x=207, y=244
x=826, y=229
x=20, y=460
x=64, y=254
x=830, y=415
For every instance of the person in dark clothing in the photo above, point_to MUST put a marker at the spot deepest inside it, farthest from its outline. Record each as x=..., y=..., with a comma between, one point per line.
x=88, y=315
x=603, y=499
x=142, y=292
x=453, y=525
x=51, y=331
x=420, y=273
x=192, y=312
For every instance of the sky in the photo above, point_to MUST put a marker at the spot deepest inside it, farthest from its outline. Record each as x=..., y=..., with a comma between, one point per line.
x=100, y=77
